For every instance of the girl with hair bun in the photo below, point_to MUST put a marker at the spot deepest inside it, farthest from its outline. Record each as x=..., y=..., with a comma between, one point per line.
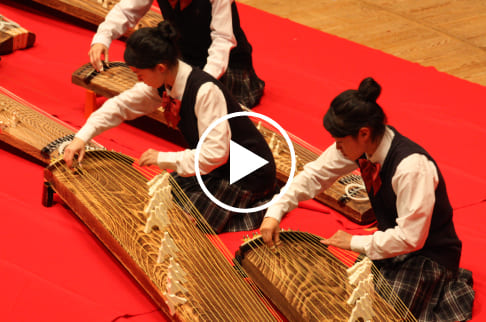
x=193, y=100
x=415, y=247
x=211, y=38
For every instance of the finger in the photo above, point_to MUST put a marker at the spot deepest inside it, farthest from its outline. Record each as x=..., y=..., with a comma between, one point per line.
x=81, y=155
x=325, y=241
x=276, y=238
x=143, y=161
x=94, y=60
x=267, y=238
x=68, y=158
x=97, y=65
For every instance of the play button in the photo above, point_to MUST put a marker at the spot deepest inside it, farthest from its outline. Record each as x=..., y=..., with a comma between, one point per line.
x=243, y=162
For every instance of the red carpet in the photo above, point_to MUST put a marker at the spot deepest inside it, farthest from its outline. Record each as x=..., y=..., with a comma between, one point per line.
x=51, y=267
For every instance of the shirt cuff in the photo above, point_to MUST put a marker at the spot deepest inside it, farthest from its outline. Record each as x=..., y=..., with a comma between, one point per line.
x=99, y=38
x=360, y=243
x=275, y=212
x=85, y=134
x=167, y=160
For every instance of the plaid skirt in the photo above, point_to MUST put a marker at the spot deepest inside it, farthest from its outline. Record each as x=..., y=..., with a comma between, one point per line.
x=220, y=219
x=428, y=289
x=245, y=85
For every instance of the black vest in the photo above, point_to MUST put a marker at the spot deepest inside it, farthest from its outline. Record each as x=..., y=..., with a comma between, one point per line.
x=193, y=25
x=243, y=132
x=442, y=244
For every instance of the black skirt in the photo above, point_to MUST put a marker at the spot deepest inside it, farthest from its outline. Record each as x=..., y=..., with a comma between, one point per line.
x=244, y=84
x=431, y=291
x=220, y=219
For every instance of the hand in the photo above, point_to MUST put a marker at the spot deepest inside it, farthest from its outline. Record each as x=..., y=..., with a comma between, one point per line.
x=340, y=239
x=96, y=52
x=270, y=230
x=149, y=157
x=76, y=146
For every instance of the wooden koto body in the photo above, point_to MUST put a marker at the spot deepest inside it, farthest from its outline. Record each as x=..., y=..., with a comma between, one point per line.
x=305, y=280
x=94, y=11
x=109, y=195
x=114, y=79
x=13, y=36
x=354, y=204
x=31, y=130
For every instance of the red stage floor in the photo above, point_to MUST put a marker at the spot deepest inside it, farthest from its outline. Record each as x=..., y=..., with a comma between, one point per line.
x=51, y=267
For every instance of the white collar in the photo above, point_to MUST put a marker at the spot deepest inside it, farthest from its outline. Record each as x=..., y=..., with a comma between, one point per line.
x=183, y=72
x=383, y=148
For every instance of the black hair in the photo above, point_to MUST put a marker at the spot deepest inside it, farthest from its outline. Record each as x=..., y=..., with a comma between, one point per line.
x=150, y=46
x=353, y=109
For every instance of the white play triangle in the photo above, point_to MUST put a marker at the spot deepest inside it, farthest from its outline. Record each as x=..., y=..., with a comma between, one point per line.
x=243, y=162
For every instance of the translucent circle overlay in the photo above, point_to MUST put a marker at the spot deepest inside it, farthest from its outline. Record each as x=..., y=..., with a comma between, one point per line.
x=282, y=191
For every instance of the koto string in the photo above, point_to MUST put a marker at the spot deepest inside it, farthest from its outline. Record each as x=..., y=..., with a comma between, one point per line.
x=120, y=175
x=299, y=267
x=346, y=256
x=271, y=259
x=304, y=152
x=115, y=77
x=335, y=263
x=349, y=258
x=93, y=183
x=288, y=256
x=115, y=201
x=129, y=232
x=386, y=291
x=39, y=132
x=59, y=124
x=381, y=285
x=172, y=237
x=203, y=251
x=98, y=9
x=187, y=204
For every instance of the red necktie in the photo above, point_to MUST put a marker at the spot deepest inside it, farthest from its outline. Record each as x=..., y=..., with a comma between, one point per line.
x=171, y=110
x=371, y=175
x=184, y=3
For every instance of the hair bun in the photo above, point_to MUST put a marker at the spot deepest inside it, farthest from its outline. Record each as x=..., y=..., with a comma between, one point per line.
x=369, y=89
x=167, y=31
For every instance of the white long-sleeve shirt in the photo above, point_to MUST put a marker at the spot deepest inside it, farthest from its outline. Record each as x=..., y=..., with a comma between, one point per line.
x=142, y=99
x=126, y=14
x=414, y=184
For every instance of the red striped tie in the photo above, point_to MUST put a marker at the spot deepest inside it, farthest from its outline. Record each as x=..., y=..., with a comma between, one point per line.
x=171, y=107
x=184, y=3
x=371, y=175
